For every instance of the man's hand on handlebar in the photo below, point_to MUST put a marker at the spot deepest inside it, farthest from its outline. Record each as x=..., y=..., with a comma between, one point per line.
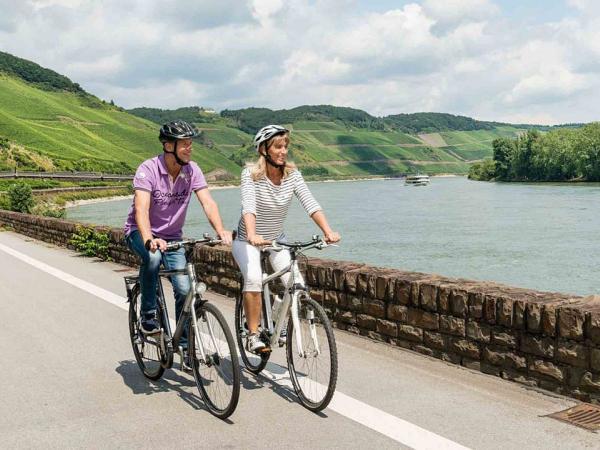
x=225, y=236
x=156, y=244
x=332, y=237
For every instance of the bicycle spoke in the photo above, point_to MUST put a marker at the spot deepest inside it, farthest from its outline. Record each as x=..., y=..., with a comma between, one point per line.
x=217, y=376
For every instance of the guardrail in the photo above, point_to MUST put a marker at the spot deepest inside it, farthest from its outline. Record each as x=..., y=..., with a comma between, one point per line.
x=79, y=176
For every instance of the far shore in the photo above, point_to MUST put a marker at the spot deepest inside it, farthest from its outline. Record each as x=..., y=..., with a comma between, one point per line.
x=73, y=203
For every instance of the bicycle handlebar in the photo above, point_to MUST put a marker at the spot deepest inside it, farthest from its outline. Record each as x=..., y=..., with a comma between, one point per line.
x=206, y=240
x=316, y=242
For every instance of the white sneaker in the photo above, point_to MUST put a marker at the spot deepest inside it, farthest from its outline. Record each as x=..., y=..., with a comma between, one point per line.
x=254, y=343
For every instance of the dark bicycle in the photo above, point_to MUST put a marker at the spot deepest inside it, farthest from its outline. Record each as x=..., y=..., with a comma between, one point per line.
x=212, y=355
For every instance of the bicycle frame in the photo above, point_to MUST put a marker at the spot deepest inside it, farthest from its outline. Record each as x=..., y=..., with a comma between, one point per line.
x=289, y=305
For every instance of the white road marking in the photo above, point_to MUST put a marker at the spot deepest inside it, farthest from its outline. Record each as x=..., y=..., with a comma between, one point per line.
x=393, y=427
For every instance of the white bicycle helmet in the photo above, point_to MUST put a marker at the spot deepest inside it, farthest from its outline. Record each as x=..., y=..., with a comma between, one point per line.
x=266, y=133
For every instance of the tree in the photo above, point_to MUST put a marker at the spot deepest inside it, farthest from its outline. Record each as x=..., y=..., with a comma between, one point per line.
x=503, y=151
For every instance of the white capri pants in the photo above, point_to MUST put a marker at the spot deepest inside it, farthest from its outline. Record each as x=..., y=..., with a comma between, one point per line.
x=247, y=257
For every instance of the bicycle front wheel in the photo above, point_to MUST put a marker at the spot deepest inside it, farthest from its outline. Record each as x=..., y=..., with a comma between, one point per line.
x=146, y=348
x=313, y=369
x=214, y=361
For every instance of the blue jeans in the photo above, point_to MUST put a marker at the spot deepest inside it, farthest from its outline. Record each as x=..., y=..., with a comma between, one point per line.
x=149, y=276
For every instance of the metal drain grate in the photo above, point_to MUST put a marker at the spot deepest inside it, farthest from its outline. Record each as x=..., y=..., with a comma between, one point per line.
x=585, y=416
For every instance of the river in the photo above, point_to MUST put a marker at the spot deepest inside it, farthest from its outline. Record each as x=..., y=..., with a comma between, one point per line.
x=540, y=236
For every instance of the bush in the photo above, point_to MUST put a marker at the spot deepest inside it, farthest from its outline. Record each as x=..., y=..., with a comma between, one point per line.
x=90, y=242
x=20, y=197
x=49, y=210
x=483, y=171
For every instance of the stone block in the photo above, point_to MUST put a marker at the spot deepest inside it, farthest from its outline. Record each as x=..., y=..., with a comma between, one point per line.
x=452, y=325
x=519, y=314
x=366, y=322
x=504, y=337
x=548, y=369
x=354, y=303
x=518, y=377
x=410, y=333
x=387, y=328
x=590, y=383
x=595, y=359
x=504, y=312
x=593, y=327
x=362, y=283
x=330, y=298
x=489, y=309
x=397, y=312
x=478, y=332
x=450, y=357
x=570, y=323
x=471, y=364
x=351, y=281
x=463, y=347
x=537, y=345
x=382, y=286
x=504, y=358
x=375, y=308
x=428, y=296
x=549, y=320
x=423, y=319
x=423, y=350
x=475, y=305
x=572, y=353
x=402, y=292
x=434, y=340
x=533, y=317
x=458, y=303
x=444, y=293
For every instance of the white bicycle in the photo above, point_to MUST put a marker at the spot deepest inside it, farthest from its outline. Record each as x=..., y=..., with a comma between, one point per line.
x=310, y=344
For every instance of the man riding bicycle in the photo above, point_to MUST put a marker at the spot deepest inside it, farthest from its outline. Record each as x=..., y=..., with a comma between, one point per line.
x=163, y=187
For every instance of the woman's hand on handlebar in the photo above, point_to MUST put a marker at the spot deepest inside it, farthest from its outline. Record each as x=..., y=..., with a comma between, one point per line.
x=257, y=240
x=332, y=237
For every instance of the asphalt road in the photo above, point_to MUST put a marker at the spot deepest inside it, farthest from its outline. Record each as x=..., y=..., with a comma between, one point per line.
x=70, y=381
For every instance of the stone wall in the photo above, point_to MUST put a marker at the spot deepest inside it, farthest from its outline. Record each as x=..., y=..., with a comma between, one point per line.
x=538, y=339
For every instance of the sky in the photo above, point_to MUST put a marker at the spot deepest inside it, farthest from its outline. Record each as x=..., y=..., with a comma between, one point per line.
x=505, y=60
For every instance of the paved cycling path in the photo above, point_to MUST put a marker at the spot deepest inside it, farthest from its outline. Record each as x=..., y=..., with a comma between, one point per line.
x=70, y=380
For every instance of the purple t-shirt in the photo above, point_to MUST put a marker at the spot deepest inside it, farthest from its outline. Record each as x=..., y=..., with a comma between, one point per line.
x=169, y=198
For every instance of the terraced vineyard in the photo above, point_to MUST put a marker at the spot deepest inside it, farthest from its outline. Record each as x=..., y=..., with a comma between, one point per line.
x=50, y=123
x=68, y=131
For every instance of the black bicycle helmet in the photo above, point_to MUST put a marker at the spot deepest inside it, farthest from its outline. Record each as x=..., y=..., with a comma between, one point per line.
x=177, y=129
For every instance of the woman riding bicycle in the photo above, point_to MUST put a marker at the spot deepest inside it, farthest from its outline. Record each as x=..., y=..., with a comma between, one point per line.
x=267, y=188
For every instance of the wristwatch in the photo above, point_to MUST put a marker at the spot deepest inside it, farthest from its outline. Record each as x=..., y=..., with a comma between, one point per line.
x=147, y=244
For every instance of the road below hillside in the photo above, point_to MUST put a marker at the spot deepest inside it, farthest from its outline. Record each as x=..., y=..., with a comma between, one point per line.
x=70, y=381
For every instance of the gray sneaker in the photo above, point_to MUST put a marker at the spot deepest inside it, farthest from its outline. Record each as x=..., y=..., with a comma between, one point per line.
x=283, y=337
x=254, y=343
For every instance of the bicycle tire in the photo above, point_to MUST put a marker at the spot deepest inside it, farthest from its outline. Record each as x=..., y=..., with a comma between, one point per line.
x=313, y=395
x=220, y=372
x=151, y=365
x=253, y=362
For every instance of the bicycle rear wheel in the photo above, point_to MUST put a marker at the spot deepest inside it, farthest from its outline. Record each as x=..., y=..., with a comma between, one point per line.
x=147, y=349
x=218, y=373
x=253, y=362
x=314, y=373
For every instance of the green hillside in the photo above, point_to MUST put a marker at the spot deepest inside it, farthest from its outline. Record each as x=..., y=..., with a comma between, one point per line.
x=63, y=130
x=48, y=122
